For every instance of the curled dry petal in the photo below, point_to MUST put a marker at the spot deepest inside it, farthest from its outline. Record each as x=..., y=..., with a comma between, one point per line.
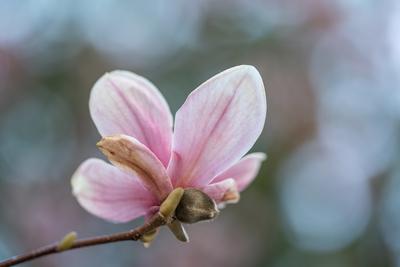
x=122, y=102
x=223, y=191
x=244, y=171
x=130, y=155
x=109, y=193
x=219, y=122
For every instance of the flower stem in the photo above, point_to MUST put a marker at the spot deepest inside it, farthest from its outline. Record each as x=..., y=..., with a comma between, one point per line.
x=133, y=235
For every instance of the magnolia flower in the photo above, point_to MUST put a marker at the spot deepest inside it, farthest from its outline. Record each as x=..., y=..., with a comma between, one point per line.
x=215, y=127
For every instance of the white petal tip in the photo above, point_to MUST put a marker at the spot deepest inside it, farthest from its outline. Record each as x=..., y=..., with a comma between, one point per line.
x=78, y=184
x=261, y=156
x=247, y=69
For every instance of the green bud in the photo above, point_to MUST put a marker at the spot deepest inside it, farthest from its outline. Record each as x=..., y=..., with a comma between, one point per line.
x=179, y=231
x=67, y=241
x=195, y=206
x=169, y=205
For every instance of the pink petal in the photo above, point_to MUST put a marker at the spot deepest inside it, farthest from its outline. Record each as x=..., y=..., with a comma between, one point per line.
x=109, y=193
x=244, y=171
x=219, y=122
x=223, y=191
x=122, y=102
x=151, y=212
x=132, y=156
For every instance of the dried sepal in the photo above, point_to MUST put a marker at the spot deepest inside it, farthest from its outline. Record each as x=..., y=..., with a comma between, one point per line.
x=179, y=231
x=169, y=205
x=149, y=237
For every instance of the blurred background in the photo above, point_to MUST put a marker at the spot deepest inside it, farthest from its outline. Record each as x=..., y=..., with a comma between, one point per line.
x=329, y=193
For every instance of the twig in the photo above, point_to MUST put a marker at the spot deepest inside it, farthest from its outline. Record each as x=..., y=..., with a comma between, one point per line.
x=132, y=235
